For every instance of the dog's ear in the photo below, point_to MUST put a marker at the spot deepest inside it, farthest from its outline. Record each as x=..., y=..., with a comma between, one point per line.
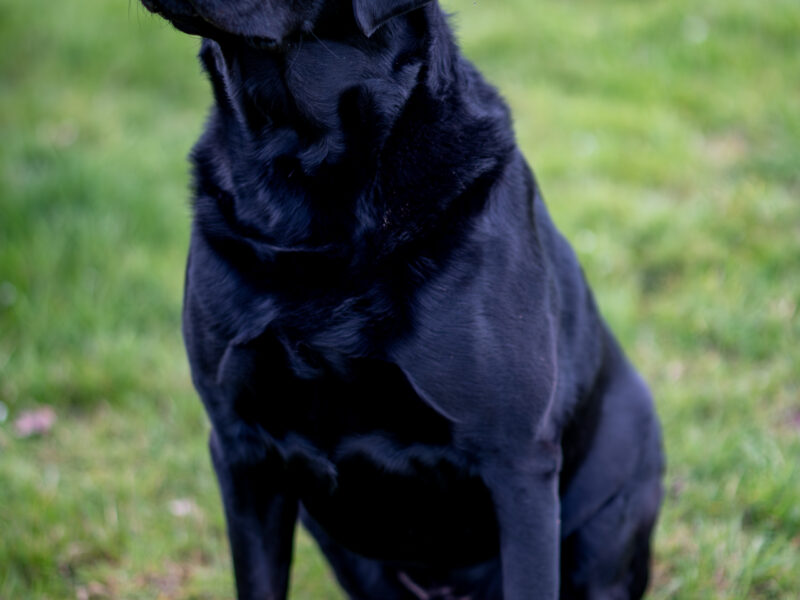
x=371, y=14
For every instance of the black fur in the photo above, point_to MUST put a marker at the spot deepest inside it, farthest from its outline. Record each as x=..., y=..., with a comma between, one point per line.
x=391, y=339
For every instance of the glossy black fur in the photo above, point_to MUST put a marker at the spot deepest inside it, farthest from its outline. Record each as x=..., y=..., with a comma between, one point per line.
x=392, y=341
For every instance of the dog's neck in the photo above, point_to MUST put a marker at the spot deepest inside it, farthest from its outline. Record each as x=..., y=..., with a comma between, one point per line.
x=322, y=122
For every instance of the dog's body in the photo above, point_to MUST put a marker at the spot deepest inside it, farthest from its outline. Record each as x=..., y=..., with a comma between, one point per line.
x=390, y=337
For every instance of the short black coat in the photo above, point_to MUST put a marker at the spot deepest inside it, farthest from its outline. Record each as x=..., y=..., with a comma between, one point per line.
x=389, y=334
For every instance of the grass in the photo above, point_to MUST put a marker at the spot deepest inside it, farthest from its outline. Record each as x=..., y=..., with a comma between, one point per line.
x=666, y=136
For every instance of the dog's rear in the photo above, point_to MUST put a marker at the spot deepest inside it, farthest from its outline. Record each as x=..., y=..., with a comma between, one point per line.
x=392, y=341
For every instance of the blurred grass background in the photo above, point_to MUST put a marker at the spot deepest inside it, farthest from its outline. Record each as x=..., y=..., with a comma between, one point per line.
x=666, y=137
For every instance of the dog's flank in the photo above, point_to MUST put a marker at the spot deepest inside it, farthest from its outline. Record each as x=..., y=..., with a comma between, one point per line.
x=391, y=339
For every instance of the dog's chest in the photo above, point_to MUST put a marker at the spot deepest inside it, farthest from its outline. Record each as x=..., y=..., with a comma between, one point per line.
x=370, y=461
x=376, y=467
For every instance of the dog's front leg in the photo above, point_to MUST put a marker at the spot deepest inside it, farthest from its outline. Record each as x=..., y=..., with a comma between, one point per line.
x=525, y=494
x=261, y=518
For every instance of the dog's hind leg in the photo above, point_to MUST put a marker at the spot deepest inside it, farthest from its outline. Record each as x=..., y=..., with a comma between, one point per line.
x=605, y=547
x=370, y=579
x=608, y=557
x=362, y=578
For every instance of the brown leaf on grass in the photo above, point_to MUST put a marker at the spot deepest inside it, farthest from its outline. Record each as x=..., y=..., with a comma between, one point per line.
x=168, y=584
x=794, y=419
x=93, y=591
x=183, y=507
x=35, y=422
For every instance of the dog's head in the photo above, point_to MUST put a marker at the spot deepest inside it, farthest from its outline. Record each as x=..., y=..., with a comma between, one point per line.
x=269, y=23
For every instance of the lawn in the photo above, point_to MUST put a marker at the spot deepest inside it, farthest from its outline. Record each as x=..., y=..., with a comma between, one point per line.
x=666, y=137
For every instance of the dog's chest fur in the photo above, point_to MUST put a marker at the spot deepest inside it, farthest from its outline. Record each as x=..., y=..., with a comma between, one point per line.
x=305, y=378
x=359, y=443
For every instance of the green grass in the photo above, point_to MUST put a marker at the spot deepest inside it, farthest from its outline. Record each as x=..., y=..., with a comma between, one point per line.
x=666, y=136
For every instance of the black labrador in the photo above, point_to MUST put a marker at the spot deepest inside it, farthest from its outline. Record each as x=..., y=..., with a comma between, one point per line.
x=392, y=341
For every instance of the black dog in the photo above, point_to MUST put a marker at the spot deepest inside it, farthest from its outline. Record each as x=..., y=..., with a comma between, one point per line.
x=390, y=337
